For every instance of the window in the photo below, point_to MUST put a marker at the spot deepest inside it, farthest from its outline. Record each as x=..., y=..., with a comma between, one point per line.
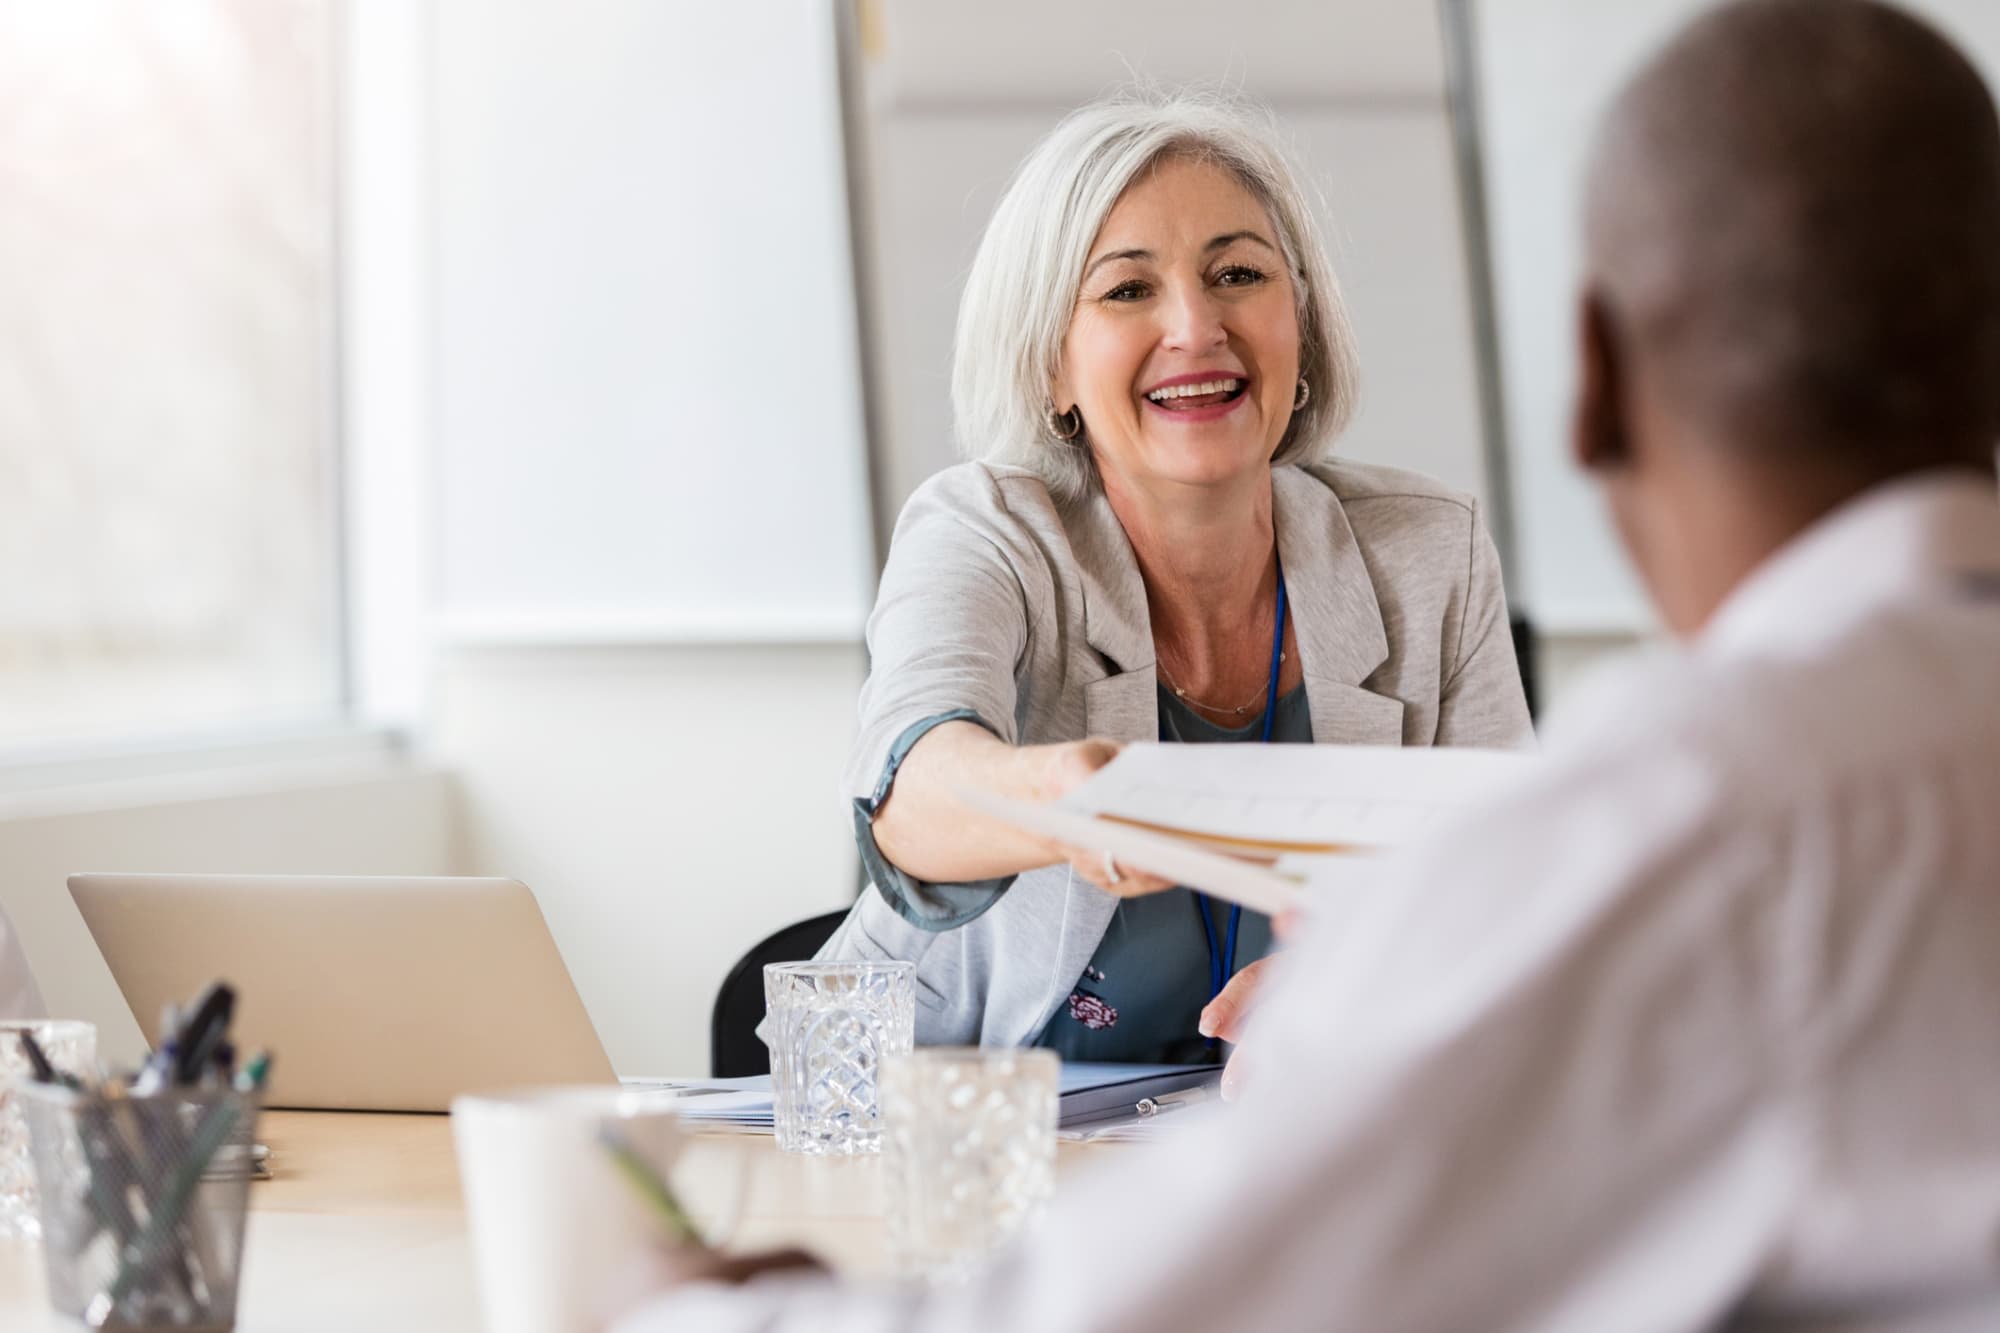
x=168, y=497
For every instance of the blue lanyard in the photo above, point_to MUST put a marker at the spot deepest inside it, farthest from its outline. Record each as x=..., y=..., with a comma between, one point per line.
x=1222, y=962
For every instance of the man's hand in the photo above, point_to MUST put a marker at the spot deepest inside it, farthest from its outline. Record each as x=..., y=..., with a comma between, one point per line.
x=671, y=1266
x=740, y=1268
x=1227, y=1015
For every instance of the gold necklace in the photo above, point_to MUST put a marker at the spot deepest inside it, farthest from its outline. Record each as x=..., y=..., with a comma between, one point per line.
x=1238, y=711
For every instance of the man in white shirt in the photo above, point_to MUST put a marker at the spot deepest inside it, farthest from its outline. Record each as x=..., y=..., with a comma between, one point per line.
x=1703, y=1029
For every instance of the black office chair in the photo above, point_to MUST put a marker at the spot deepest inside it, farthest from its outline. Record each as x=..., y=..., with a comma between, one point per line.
x=1524, y=655
x=733, y=1048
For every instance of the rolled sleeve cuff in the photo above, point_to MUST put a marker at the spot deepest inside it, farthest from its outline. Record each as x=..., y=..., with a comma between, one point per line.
x=928, y=906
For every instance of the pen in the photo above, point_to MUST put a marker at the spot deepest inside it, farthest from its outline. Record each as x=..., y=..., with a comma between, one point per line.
x=649, y=1185
x=1152, y=1106
x=220, y=1071
x=203, y=1032
x=156, y=1073
x=38, y=1061
x=254, y=1074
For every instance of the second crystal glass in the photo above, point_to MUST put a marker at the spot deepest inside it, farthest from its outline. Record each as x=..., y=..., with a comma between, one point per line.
x=831, y=1025
x=971, y=1152
x=71, y=1047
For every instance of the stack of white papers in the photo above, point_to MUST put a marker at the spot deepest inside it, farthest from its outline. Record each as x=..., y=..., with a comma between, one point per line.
x=1250, y=823
x=1095, y=1097
x=729, y=1105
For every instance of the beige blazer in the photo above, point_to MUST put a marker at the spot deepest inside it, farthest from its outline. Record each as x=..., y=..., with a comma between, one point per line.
x=1032, y=616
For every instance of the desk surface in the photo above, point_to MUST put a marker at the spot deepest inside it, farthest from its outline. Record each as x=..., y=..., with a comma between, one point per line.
x=362, y=1225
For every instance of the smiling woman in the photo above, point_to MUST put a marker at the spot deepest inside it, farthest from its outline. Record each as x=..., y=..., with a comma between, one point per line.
x=1152, y=364
x=1083, y=205
x=1187, y=318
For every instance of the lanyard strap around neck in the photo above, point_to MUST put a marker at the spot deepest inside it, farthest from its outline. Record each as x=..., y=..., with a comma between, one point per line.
x=1222, y=963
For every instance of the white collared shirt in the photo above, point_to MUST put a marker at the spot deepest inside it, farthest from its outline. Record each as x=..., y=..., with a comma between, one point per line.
x=1704, y=1027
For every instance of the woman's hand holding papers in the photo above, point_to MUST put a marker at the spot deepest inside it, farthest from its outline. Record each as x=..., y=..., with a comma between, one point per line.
x=1069, y=767
x=1107, y=874
x=924, y=829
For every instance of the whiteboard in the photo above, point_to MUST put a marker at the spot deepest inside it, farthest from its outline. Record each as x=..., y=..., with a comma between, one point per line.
x=955, y=93
x=1548, y=70
x=648, y=414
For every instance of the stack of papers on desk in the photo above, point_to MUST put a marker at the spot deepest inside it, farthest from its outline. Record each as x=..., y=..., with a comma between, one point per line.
x=1253, y=823
x=1096, y=1098
x=724, y=1105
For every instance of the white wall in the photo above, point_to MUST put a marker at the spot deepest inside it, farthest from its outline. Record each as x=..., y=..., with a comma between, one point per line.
x=648, y=400
x=1547, y=69
x=670, y=806
x=365, y=817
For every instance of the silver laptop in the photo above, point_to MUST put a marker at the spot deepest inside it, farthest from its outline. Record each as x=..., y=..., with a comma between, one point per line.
x=372, y=994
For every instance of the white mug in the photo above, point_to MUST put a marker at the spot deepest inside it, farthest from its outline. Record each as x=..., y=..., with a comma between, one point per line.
x=559, y=1233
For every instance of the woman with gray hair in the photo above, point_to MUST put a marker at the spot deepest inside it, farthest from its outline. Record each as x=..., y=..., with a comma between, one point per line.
x=1151, y=542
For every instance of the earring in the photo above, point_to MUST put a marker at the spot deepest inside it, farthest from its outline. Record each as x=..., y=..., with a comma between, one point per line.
x=1303, y=396
x=1065, y=426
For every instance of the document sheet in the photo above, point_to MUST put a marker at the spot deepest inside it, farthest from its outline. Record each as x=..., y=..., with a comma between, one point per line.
x=1252, y=823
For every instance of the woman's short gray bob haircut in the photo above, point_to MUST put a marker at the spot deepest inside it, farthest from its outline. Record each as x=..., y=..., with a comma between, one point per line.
x=1023, y=285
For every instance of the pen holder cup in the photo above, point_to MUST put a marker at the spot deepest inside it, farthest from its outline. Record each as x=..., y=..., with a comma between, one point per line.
x=143, y=1202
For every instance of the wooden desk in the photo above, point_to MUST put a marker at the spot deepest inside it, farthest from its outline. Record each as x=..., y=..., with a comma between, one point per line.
x=362, y=1228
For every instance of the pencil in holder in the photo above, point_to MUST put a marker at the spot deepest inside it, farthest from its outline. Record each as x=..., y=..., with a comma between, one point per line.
x=143, y=1202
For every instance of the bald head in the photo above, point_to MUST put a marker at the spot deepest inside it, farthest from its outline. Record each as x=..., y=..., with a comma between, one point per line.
x=1793, y=226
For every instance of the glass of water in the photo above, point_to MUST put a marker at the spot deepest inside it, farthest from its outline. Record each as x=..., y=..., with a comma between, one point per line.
x=970, y=1157
x=831, y=1026
x=72, y=1048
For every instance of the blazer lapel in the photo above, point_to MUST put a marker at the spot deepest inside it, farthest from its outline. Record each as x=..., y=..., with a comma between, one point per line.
x=1335, y=616
x=1121, y=705
x=1115, y=595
